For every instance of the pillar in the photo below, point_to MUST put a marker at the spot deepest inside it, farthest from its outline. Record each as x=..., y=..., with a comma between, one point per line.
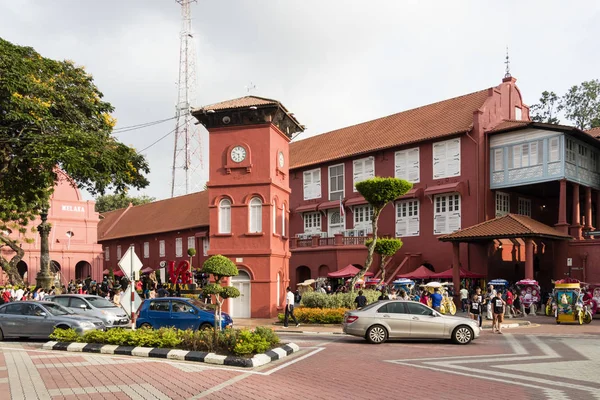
x=562, y=225
x=456, y=268
x=598, y=210
x=575, y=229
x=588, y=209
x=529, y=258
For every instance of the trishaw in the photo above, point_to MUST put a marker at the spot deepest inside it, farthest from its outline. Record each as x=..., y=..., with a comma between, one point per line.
x=407, y=285
x=591, y=297
x=529, y=294
x=447, y=306
x=372, y=283
x=568, y=298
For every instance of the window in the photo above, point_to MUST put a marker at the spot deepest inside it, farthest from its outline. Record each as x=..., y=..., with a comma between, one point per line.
x=191, y=242
x=312, y=222
x=524, y=207
x=15, y=309
x=161, y=248
x=518, y=114
x=118, y=252
x=274, y=218
x=498, y=159
x=205, y=246
x=225, y=216
x=278, y=290
x=570, y=151
x=312, y=184
x=554, y=149
x=178, y=247
x=63, y=301
x=107, y=253
x=78, y=303
x=446, y=216
x=336, y=222
x=363, y=169
x=336, y=182
x=181, y=307
x=255, y=215
x=526, y=154
x=393, y=308
x=502, y=204
x=407, y=218
x=407, y=165
x=159, y=305
x=283, y=217
x=415, y=308
x=363, y=215
x=593, y=161
x=146, y=250
x=446, y=159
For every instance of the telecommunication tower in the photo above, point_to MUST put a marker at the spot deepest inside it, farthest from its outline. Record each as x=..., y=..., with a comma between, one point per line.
x=187, y=153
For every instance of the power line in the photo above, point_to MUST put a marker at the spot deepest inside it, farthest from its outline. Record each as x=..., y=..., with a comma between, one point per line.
x=158, y=140
x=140, y=126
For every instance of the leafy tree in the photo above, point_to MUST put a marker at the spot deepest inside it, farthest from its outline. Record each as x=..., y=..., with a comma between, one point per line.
x=547, y=109
x=378, y=192
x=386, y=248
x=52, y=118
x=219, y=267
x=582, y=104
x=109, y=202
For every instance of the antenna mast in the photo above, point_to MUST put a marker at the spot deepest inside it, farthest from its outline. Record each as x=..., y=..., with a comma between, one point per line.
x=187, y=152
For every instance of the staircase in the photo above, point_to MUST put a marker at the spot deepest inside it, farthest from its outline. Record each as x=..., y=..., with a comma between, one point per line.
x=390, y=277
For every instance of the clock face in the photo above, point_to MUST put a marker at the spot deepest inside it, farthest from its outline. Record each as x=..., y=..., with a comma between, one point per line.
x=238, y=154
x=281, y=159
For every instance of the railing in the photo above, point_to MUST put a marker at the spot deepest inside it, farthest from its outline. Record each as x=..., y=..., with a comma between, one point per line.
x=318, y=241
x=303, y=242
x=354, y=240
x=330, y=241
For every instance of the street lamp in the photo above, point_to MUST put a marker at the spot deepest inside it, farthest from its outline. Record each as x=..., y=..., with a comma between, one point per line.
x=44, y=278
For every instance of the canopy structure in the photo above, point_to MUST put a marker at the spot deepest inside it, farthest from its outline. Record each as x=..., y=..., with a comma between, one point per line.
x=447, y=274
x=347, y=272
x=420, y=273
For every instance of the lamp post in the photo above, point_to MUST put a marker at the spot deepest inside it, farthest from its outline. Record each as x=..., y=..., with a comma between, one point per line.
x=44, y=278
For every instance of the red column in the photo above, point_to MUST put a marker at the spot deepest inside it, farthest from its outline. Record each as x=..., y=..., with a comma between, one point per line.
x=576, y=224
x=456, y=268
x=562, y=225
x=598, y=210
x=588, y=209
x=529, y=259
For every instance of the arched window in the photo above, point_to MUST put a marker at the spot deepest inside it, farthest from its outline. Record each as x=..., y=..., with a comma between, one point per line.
x=255, y=215
x=225, y=216
x=283, y=220
x=278, y=290
x=274, y=218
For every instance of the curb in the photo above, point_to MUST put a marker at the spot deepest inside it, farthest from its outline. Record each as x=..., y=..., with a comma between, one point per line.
x=308, y=332
x=175, y=354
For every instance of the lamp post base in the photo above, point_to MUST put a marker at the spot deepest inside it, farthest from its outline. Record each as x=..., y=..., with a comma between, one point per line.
x=44, y=280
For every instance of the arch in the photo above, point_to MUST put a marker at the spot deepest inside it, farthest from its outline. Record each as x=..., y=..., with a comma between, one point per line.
x=303, y=273
x=248, y=198
x=225, y=215
x=55, y=266
x=243, y=276
x=82, y=270
x=218, y=199
x=22, y=268
x=243, y=268
x=255, y=215
x=323, y=271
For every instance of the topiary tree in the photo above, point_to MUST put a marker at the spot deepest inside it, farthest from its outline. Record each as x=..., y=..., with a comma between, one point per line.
x=386, y=248
x=191, y=253
x=219, y=267
x=378, y=192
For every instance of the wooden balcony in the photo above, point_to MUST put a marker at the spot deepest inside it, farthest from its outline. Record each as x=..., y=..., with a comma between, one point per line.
x=318, y=242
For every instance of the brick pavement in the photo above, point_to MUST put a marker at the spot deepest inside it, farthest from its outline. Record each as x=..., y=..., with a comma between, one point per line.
x=545, y=361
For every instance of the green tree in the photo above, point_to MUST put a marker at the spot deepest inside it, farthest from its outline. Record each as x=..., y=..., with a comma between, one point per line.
x=547, y=109
x=582, y=104
x=109, y=202
x=378, y=192
x=219, y=267
x=52, y=118
x=386, y=248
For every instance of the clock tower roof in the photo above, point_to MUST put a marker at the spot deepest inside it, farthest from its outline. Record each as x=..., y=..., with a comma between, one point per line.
x=248, y=110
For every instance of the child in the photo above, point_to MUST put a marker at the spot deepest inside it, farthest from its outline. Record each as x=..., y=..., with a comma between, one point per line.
x=475, y=309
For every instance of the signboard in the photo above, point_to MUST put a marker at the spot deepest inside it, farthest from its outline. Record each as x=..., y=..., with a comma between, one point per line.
x=126, y=301
x=569, y=262
x=130, y=263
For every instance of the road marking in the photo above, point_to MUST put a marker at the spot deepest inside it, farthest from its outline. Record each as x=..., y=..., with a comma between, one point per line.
x=295, y=360
x=220, y=386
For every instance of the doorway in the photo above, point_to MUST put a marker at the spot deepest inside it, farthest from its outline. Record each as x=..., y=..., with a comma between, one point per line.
x=335, y=223
x=240, y=306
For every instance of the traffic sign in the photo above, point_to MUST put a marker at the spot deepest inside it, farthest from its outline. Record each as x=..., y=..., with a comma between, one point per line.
x=130, y=263
x=126, y=302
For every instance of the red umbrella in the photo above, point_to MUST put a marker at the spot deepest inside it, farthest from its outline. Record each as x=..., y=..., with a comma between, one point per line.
x=420, y=273
x=347, y=272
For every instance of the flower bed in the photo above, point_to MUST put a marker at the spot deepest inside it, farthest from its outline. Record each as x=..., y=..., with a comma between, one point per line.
x=239, y=342
x=309, y=315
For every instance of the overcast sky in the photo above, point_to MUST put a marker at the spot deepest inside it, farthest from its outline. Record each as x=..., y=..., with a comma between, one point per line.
x=333, y=63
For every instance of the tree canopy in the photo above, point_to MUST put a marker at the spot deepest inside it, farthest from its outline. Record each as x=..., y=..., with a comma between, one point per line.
x=109, y=202
x=52, y=117
x=219, y=267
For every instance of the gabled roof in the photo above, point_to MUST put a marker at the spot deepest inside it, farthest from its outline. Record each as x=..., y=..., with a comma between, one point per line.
x=505, y=227
x=445, y=118
x=246, y=101
x=177, y=213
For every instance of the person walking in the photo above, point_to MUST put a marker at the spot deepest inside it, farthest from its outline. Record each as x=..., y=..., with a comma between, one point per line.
x=436, y=300
x=475, y=310
x=464, y=297
x=289, y=308
x=498, y=308
x=509, y=303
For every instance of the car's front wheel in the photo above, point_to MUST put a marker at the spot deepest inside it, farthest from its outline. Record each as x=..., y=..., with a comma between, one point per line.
x=146, y=325
x=462, y=335
x=206, y=326
x=377, y=334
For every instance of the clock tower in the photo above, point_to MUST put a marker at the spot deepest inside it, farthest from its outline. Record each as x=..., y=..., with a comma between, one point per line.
x=248, y=191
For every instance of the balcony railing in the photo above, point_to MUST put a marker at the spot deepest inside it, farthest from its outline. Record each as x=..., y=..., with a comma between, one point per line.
x=318, y=241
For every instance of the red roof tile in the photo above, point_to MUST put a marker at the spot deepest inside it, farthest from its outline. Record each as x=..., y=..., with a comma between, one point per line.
x=177, y=213
x=595, y=132
x=432, y=121
x=246, y=101
x=507, y=226
x=508, y=124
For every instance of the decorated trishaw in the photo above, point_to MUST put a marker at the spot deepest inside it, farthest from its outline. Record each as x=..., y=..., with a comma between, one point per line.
x=407, y=285
x=447, y=306
x=568, y=298
x=591, y=297
x=530, y=296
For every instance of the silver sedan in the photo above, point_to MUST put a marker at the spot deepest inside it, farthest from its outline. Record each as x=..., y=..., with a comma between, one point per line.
x=398, y=319
x=37, y=319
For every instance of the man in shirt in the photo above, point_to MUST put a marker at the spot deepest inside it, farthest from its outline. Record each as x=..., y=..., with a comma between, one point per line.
x=360, y=300
x=436, y=300
x=464, y=296
x=289, y=308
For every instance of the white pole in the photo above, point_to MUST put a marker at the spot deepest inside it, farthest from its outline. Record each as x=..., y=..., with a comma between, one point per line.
x=132, y=284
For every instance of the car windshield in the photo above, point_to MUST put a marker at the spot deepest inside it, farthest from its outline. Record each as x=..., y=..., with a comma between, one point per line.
x=200, y=304
x=99, y=302
x=56, y=309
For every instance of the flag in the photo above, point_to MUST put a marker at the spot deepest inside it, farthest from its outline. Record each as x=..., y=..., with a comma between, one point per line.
x=342, y=213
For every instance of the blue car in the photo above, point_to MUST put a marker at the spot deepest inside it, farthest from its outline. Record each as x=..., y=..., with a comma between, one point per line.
x=178, y=312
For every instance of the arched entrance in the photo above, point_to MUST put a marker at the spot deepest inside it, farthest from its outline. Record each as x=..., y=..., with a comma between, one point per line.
x=240, y=306
x=22, y=269
x=302, y=273
x=82, y=270
x=56, y=270
x=323, y=271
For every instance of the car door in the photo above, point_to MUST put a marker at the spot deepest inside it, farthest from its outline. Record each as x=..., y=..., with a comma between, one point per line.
x=159, y=313
x=395, y=316
x=39, y=323
x=62, y=300
x=13, y=320
x=424, y=323
x=78, y=306
x=183, y=315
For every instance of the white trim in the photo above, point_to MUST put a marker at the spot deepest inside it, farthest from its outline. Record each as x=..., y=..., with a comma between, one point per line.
x=146, y=249
x=312, y=222
x=363, y=216
x=161, y=248
x=329, y=181
x=274, y=217
x=178, y=247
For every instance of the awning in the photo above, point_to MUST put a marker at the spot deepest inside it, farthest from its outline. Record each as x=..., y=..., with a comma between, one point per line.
x=412, y=194
x=355, y=201
x=328, y=205
x=446, y=188
x=201, y=234
x=420, y=273
x=306, y=208
x=447, y=274
x=347, y=272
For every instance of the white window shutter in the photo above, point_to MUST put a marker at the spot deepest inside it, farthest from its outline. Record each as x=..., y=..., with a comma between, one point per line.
x=413, y=226
x=517, y=156
x=554, y=149
x=401, y=172
x=498, y=160
x=439, y=160
x=369, y=168
x=414, y=164
x=307, y=185
x=453, y=157
x=317, y=183
x=401, y=227
x=454, y=222
x=439, y=224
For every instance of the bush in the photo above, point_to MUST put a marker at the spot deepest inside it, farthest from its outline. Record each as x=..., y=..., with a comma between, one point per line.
x=337, y=300
x=65, y=335
x=318, y=315
x=269, y=335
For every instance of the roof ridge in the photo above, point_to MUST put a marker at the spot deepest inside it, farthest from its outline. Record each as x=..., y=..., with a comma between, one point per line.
x=154, y=202
x=517, y=219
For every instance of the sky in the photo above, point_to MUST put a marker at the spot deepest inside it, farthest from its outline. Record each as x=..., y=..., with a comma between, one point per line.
x=333, y=63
